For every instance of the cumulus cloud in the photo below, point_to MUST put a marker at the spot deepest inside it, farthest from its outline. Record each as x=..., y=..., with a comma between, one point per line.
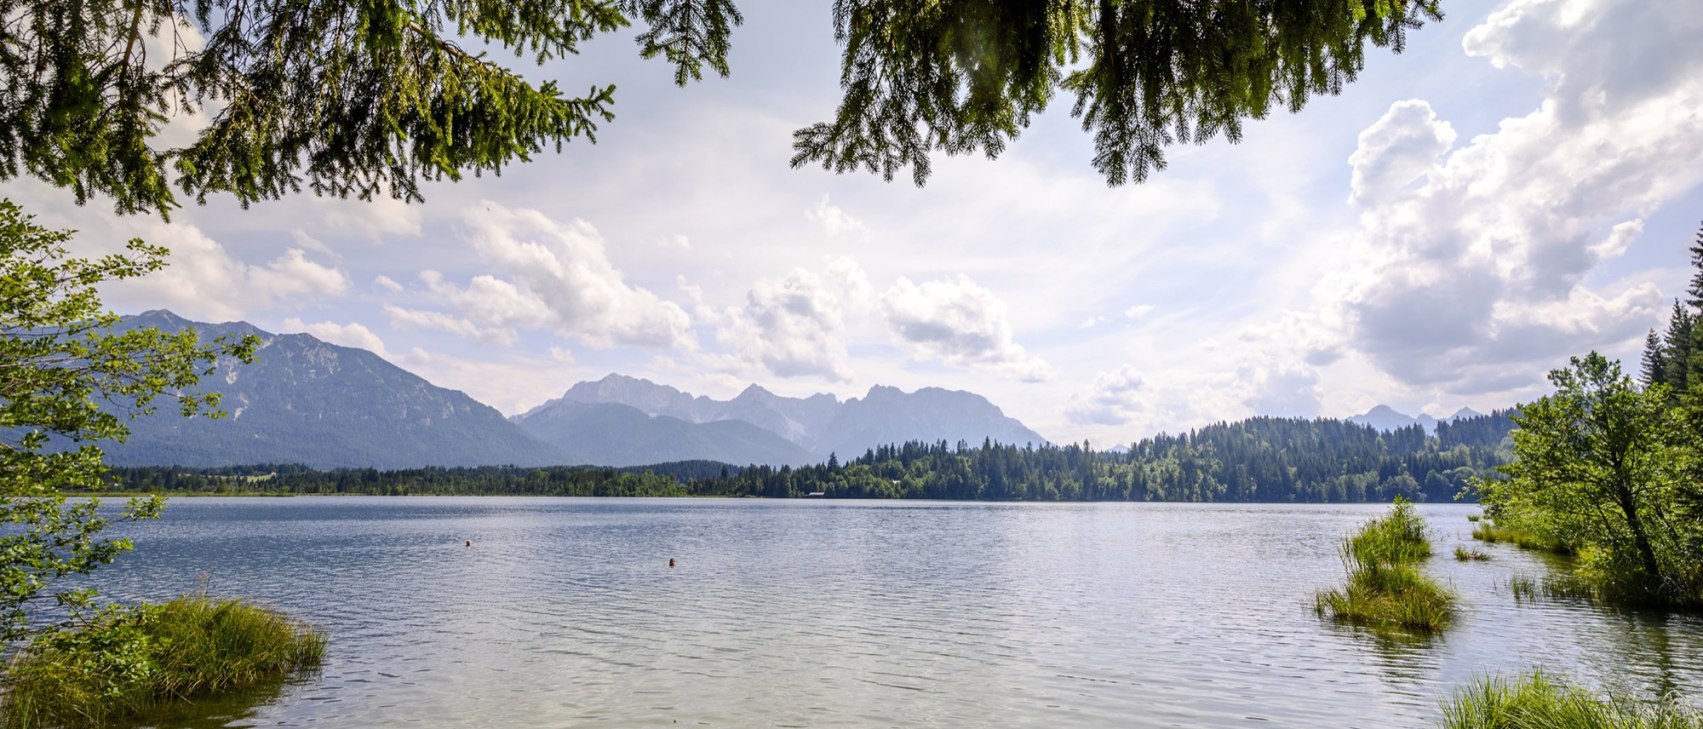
x=204, y=281
x=387, y=283
x=1396, y=150
x=1476, y=258
x=795, y=326
x=959, y=323
x=1113, y=399
x=352, y=334
x=555, y=277
x=1138, y=311
x=434, y=320
x=833, y=219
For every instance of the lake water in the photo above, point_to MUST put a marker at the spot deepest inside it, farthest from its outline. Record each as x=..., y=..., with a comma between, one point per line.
x=564, y=613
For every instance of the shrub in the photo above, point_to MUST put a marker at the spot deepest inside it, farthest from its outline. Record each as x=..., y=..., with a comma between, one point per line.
x=1535, y=702
x=125, y=662
x=1386, y=589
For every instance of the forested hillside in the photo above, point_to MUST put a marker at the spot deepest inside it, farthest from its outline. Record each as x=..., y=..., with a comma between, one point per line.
x=1256, y=460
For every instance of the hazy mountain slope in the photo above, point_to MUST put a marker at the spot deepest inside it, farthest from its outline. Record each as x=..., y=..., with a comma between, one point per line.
x=820, y=424
x=613, y=434
x=889, y=415
x=306, y=401
x=1386, y=418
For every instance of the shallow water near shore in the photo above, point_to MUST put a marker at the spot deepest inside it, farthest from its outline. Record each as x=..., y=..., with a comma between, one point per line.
x=564, y=613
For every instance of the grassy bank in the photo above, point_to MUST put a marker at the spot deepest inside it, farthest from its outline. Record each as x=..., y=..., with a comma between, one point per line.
x=127, y=663
x=1385, y=589
x=1537, y=702
x=1491, y=532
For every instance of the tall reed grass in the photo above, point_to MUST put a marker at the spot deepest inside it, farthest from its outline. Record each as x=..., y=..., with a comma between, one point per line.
x=1386, y=589
x=1491, y=532
x=126, y=663
x=1536, y=702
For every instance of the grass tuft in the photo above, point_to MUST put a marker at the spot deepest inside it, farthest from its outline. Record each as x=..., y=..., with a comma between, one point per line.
x=1492, y=533
x=1464, y=555
x=1386, y=590
x=128, y=662
x=1536, y=702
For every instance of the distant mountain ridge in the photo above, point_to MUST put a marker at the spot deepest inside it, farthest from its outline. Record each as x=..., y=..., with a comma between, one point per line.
x=318, y=404
x=820, y=424
x=1386, y=418
x=309, y=402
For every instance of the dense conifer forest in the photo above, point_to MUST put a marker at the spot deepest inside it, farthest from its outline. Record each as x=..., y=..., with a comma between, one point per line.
x=1257, y=460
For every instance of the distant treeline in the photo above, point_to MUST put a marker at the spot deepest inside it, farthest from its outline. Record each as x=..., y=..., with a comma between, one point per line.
x=1256, y=460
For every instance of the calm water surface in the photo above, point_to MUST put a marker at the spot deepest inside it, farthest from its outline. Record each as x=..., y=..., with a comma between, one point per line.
x=858, y=614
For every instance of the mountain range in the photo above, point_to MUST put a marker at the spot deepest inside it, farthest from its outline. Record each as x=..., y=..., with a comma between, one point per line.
x=1386, y=418
x=310, y=402
x=815, y=426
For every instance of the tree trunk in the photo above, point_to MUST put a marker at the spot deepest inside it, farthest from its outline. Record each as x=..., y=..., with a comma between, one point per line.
x=1640, y=539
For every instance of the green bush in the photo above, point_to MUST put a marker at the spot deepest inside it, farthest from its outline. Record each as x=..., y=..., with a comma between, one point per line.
x=128, y=661
x=1386, y=590
x=1535, y=702
x=1464, y=555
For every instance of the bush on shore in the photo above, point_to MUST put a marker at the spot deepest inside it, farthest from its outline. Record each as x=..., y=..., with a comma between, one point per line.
x=125, y=662
x=1536, y=702
x=1386, y=589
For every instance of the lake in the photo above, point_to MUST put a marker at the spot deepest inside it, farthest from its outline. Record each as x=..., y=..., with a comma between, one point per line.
x=815, y=613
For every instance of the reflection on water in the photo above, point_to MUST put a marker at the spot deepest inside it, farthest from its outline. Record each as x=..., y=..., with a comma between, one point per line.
x=873, y=614
x=230, y=709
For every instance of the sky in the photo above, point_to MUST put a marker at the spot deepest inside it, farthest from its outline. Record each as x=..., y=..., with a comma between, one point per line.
x=1519, y=186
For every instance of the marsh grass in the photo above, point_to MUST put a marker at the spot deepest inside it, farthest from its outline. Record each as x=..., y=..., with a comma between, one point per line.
x=1564, y=586
x=1524, y=588
x=1536, y=702
x=129, y=662
x=1474, y=518
x=1492, y=533
x=1385, y=589
x=1473, y=555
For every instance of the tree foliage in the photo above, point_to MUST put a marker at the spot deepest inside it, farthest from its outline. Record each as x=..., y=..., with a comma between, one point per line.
x=372, y=98
x=964, y=76
x=1257, y=460
x=1596, y=469
x=1613, y=470
x=68, y=381
x=344, y=98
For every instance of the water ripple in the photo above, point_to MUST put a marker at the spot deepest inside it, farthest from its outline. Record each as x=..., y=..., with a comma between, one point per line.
x=835, y=614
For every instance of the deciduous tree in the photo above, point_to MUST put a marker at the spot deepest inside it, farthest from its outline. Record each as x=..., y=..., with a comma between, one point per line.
x=69, y=377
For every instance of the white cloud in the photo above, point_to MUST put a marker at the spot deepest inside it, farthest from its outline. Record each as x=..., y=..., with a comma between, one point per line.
x=203, y=281
x=959, y=323
x=1485, y=265
x=387, y=283
x=561, y=279
x=833, y=219
x=378, y=218
x=1138, y=311
x=795, y=326
x=1113, y=399
x=348, y=335
x=416, y=319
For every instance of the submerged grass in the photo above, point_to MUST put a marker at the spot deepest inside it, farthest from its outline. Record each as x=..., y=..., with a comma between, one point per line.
x=1386, y=590
x=1464, y=555
x=1536, y=702
x=1490, y=532
x=129, y=662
